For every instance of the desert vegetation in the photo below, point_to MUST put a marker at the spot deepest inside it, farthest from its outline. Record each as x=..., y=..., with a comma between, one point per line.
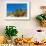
x=17, y=13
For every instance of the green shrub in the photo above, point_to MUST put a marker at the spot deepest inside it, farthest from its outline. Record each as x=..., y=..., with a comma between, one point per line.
x=11, y=31
x=41, y=17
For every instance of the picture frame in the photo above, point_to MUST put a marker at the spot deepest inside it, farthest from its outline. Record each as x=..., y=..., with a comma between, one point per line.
x=11, y=10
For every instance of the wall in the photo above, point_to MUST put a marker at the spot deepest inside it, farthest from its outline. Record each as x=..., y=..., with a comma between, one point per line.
x=25, y=27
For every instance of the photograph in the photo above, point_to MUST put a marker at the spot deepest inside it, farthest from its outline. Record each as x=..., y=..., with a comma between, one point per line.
x=17, y=10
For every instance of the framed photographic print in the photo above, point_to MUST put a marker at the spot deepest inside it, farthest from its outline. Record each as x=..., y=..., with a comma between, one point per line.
x=17, y=10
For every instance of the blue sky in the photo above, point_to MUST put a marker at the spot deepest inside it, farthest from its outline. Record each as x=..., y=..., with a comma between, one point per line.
x=13, y=7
